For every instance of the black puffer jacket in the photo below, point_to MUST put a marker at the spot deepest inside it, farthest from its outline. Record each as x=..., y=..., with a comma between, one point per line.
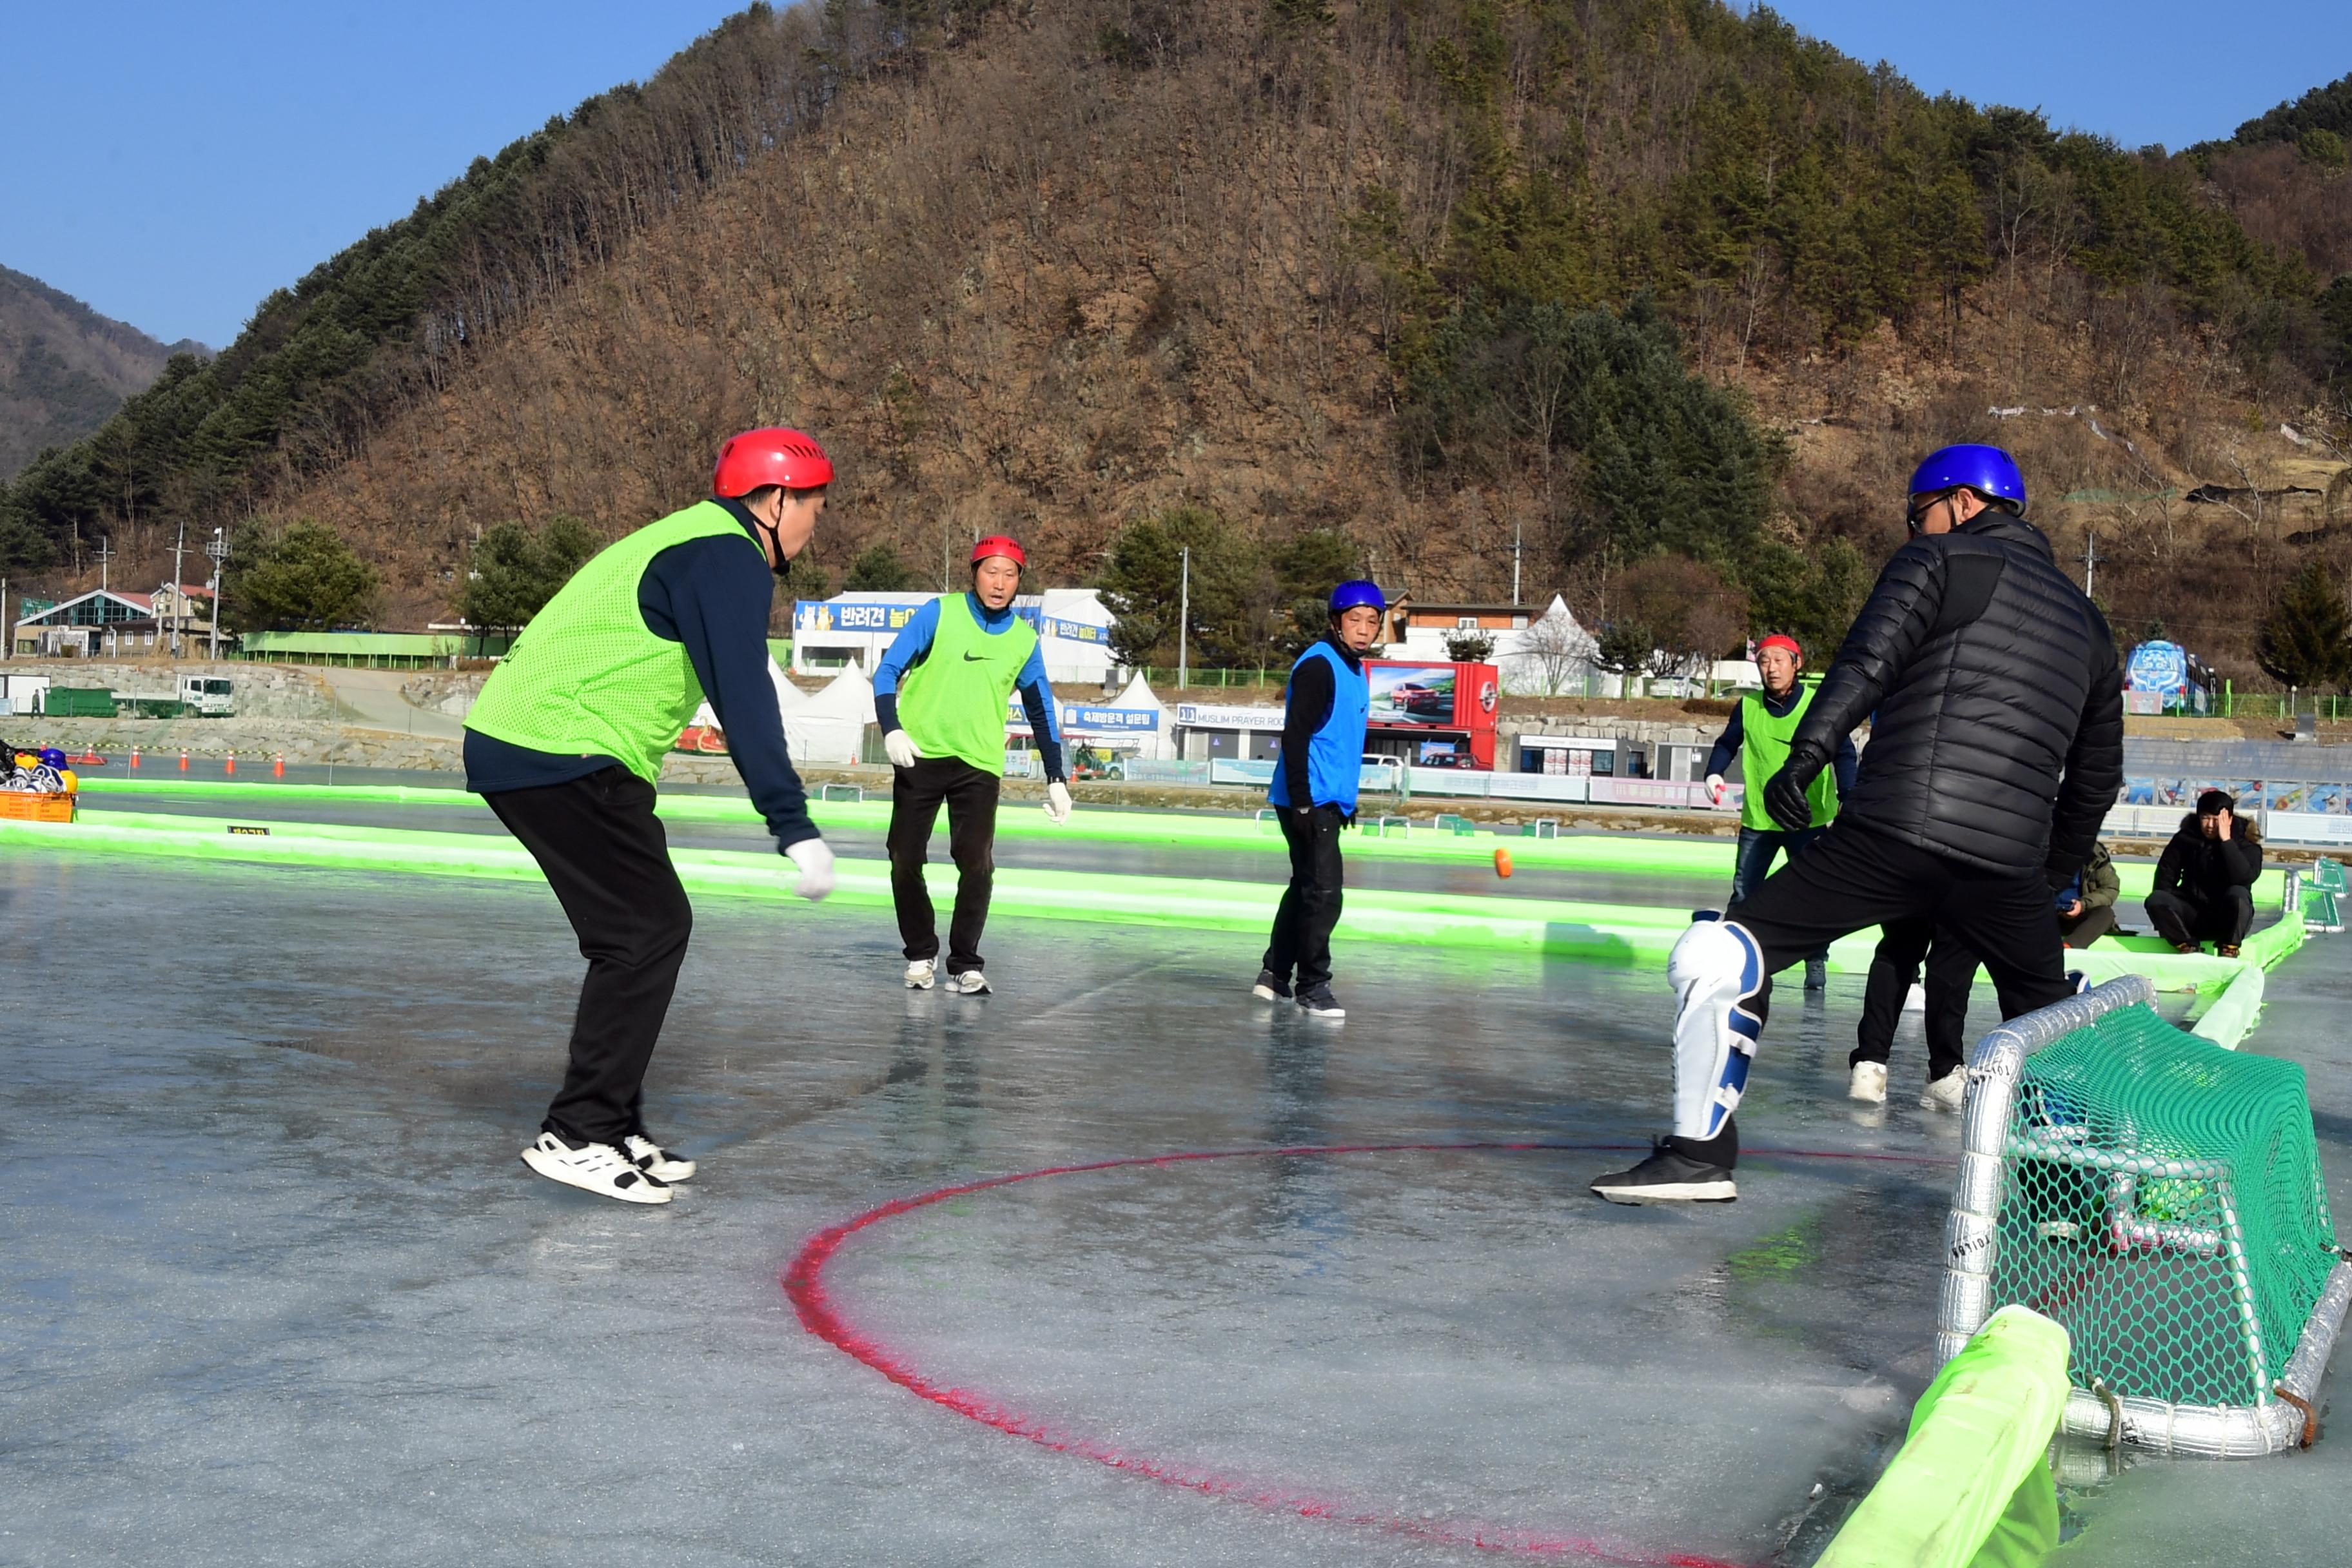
x=2203, y=869
x=1999, y=735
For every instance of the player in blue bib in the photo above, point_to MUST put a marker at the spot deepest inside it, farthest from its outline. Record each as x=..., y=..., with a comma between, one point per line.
x=1325, y=707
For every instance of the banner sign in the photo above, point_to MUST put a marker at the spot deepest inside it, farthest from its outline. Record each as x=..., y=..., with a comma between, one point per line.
x=29, y=606
x=1072, y=631
x=1079, y=717
x=845, y=614
x=1213, y=716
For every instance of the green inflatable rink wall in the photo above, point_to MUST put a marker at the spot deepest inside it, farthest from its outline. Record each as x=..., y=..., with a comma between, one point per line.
x=1602, y=852
x=2227, y=992
x=1969, y=1488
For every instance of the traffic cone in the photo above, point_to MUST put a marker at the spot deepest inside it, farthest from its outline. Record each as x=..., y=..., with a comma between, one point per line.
x=280, y=768
x=134, y=756
x=232, y=761
x=183, y=759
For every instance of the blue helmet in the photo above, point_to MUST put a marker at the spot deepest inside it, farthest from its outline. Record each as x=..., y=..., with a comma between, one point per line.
x=1360, y=591
x=52, y=757
x=1988, y=470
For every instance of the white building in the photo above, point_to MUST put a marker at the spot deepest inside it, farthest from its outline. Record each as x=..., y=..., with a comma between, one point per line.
x=854, y=630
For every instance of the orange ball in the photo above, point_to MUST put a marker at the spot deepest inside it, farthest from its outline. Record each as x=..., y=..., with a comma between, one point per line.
x=1502, y=862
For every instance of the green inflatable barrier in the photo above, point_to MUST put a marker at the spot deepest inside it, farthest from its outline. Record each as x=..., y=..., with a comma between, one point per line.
x=1970, y=1486
x=1625, y=854
x=2228, y=990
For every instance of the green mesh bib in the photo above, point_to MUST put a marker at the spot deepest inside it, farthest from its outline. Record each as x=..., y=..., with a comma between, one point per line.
x=1763, y=748
x=587, y=678
x=953, y=703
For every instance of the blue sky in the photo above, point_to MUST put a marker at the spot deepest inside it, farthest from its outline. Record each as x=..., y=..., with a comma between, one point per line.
x=170, y=164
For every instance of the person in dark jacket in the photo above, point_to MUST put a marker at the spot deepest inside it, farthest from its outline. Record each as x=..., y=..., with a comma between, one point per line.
x=1995, y=752
x=2086, y=906
x=2205, y=878
x=1326, y=708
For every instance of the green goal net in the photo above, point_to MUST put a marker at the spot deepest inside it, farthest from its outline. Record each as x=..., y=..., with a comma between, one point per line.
x=2162, y=1198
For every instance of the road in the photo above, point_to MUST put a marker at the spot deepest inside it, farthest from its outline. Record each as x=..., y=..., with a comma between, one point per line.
x=373, y=698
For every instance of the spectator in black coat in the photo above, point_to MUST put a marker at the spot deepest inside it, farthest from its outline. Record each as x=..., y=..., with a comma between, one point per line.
x=2205, y=879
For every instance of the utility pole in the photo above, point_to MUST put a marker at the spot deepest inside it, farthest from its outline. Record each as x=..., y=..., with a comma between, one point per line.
x=2091, y=564
x=8, y=626
x=1518, y=531
x=105, y=555
x=1184, y=620
x=218, y=551
x=179, y=548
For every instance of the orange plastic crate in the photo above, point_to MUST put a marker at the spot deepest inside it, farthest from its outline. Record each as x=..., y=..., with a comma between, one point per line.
x=23, y=805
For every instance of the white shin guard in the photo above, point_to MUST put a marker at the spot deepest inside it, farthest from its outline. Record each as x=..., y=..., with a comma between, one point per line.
x=1715, y=970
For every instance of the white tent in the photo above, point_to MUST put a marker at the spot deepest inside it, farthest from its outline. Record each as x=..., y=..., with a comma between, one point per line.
x=1157, y=743
x=1552, y=656
x=830, y=727
x=788, y=697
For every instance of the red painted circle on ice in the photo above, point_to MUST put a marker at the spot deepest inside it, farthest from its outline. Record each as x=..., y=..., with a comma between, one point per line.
x=805, y=1284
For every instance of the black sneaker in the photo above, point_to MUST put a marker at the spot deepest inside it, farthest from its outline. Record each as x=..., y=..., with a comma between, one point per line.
x=1669, y=1175
x=1271, y=988
x=1318, y=1001
x=1817, y=974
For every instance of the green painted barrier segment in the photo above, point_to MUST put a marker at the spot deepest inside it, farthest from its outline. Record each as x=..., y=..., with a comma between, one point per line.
x=1604, y=932
x=1971, y=1467
x=1599, y=851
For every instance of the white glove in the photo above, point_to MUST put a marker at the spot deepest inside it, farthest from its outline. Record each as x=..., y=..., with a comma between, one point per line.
x=1714, y=789
x=815, y=858
x=1057, y=803
x=901, y=748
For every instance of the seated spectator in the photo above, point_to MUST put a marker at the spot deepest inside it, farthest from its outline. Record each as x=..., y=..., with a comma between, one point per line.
x=2086, y=906
x=2205, y=878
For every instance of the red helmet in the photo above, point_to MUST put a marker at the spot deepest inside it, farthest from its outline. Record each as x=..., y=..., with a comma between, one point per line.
x=773, y=456
x=1000, y=544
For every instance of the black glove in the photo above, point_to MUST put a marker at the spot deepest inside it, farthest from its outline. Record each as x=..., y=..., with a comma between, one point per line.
x=1785, y=800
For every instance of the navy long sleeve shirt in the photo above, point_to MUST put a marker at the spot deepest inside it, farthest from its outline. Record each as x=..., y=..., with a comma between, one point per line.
x=714, y=595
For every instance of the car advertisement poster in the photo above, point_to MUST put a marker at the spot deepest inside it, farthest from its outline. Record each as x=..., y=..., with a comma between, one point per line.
x=1454, y=700
x=1415, y=694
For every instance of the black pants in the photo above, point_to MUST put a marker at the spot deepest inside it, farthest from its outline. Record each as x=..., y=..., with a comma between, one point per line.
x=1951, y=971
x=604, y=855
x=2224, y=916
x=1856, y=877
x=2091, y=925
x=970, y=794
x=1310, y=904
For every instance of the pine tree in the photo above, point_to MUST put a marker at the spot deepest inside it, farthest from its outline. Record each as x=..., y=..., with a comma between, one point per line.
x=2307, y=639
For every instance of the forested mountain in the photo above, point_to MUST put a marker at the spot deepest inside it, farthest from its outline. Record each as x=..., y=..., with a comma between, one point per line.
x=63, y=368
x=1626, y=281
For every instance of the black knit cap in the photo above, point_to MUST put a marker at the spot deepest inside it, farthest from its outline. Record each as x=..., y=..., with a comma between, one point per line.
x=2214, y=801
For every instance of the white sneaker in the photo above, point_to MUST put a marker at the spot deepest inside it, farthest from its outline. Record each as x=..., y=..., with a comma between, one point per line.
x=655, y=1161
x=1948, y=1092
x=920, y=973
x=596, y=1168
x=1868, y=1083
x=970, y=982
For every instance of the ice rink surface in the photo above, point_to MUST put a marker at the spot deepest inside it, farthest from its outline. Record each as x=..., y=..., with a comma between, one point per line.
x=279, y=1290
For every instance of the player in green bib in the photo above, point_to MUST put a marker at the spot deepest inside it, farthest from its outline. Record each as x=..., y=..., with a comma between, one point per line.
x=566, y=745
x=941, y=697
x=1761, y=730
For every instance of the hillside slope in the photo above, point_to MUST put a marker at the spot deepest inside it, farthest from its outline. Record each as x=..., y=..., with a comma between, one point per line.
x=63, y=368
x=1056, y=268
